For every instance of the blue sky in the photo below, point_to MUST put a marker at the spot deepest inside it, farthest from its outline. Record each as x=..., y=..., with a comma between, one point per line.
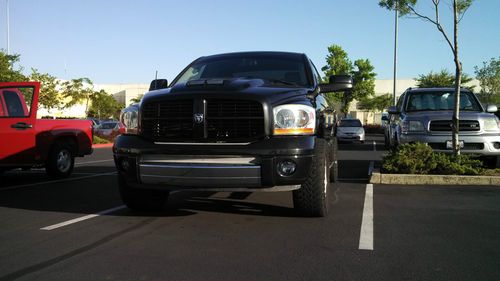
x=122, y=41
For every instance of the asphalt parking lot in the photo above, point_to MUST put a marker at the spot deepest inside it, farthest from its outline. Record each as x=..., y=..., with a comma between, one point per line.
x=78, y=229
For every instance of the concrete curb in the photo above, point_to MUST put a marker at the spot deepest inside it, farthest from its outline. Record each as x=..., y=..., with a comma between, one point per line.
x=102, y=145
x=405, y=179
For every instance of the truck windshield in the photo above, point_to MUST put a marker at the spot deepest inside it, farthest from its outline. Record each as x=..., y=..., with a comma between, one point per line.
x=284, y=71
x=350, y=123
x=429, y=101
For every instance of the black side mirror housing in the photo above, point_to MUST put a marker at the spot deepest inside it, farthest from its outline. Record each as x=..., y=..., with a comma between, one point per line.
x=393, y=110
x=158, y=84
x=337, y=83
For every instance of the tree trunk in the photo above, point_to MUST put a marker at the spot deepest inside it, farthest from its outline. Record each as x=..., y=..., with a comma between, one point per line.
x=458, y=80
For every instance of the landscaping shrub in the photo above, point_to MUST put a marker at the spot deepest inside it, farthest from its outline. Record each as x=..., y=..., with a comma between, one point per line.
x=98, y=140
x=419, y=158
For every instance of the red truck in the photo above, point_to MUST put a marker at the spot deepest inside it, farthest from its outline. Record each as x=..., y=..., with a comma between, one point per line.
x=27, y=142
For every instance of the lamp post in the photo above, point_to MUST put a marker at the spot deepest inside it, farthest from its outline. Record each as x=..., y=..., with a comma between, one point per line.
x=8, y=35
x=395, y=54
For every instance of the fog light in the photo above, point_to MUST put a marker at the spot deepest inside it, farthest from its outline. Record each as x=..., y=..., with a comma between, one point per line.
x=286, y=168
x=496, y=145
x=125, y=164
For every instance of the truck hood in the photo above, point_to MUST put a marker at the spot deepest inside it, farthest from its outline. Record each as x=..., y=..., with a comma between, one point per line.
x=236, y=88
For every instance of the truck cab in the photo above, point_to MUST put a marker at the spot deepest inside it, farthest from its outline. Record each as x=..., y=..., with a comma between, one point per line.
x=27, y=142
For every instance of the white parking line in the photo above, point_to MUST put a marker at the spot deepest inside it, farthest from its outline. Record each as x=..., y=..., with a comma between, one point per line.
x=55, y=181
x=366, y=233
x=65, y=223
x=92, y=162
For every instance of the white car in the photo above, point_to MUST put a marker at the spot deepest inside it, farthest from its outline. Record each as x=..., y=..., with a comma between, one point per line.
x=350, y=129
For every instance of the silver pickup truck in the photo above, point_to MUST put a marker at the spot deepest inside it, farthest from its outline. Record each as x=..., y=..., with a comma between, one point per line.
x=425, y=114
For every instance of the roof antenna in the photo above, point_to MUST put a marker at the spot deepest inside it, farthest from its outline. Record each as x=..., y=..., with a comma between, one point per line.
x=156, y=80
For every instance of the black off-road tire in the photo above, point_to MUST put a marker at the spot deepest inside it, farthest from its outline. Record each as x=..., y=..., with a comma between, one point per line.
x=61, y=160
x=334, y=170
x=311, y=199
x=141, y=199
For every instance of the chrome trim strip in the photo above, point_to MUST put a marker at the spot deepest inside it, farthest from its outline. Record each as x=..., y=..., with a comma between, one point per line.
x=198, y=178
x=200, y=166
x=198, y=143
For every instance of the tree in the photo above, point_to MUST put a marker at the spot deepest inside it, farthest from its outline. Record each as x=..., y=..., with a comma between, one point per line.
x=441, y=79
x=77, y=91
x=489, y=79
x=49, y=96
x=137, y=99
x=7, y=71
x=338, y=63
x=103, y=105
x=408, y=7
x=376, y=103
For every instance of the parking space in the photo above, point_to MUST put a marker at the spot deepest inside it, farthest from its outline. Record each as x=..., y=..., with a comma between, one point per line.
x=78, y=229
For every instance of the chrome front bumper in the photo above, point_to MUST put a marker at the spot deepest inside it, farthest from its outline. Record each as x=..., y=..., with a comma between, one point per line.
x=473, y=144
x=196, y=171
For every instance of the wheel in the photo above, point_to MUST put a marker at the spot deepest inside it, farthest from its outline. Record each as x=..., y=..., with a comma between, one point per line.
x=60, y=161
x=311, y=199
x=141, y=199
x=334, y=170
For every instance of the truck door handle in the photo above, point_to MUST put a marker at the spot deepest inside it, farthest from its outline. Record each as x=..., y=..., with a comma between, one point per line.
x=21, y=126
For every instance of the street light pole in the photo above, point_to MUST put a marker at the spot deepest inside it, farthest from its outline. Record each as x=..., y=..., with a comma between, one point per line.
x=8, y=35
x=395, y=54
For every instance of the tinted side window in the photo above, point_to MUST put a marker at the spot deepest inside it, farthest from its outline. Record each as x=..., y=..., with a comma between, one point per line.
x=399, y=105
x=16, y=102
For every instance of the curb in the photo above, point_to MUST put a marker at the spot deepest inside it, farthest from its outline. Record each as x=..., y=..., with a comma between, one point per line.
x=405, y=179
x=102, y=145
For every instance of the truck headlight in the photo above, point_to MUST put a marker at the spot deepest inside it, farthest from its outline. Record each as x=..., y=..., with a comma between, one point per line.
x=412, y=126
x=294, y=119
x=491, y=124
x=130, y=118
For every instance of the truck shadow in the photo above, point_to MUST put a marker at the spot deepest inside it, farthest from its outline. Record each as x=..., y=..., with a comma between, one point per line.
x=96, y=190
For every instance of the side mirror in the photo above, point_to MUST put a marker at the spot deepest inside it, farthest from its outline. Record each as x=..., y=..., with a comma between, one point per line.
x=393, y=110
x=158, y=84
x=491, y=108
x=337, y=83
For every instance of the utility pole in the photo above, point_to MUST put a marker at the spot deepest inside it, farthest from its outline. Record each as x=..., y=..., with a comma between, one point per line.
x=8, y=35
x=395, y=54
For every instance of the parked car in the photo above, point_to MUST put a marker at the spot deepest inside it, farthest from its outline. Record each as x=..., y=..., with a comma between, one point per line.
x=110, y=129
x=350, y=129
x=27, y=142
x=425, y=114
x=251, y=121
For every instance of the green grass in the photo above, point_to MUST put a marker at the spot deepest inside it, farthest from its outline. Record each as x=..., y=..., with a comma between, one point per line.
x=98, y=140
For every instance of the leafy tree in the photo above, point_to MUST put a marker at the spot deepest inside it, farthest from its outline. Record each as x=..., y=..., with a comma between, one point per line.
x=49, y=96
x=441, y=79
x=137, y=99
x=376, y=103
x=408, y=7
x=103, y=105
x=7, y=71
x=78, y=91
x=489, y=79
x=338, y=63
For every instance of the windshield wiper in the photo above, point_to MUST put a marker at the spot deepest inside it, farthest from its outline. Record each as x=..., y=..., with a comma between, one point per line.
x=281, y=82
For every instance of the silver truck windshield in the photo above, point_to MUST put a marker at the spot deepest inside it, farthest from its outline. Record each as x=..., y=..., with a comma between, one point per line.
x=430, y=101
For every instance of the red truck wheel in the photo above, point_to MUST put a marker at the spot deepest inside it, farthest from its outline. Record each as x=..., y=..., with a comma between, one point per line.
x=61, y=161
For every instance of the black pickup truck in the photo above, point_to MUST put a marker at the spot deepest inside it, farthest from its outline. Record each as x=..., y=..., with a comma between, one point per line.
x=252, y=121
